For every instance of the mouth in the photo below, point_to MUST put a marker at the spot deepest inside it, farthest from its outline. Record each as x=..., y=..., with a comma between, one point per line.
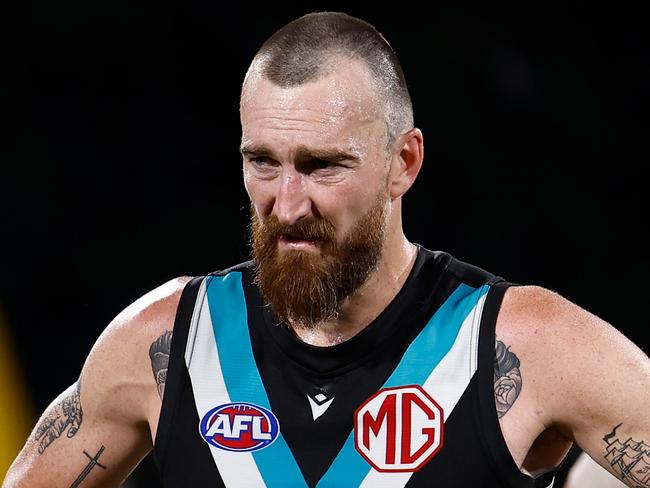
x=299, y=242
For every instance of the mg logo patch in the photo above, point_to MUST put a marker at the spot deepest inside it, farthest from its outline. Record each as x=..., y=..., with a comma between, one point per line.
x=399, y=429
x=240, y=427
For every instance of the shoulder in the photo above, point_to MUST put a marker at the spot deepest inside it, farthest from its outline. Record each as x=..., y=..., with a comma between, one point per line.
x=154, y=311
x=144, y=320
x=155, y=305
x=543, y=328
x=119, y=369
x=567, y=353
x=534, y=316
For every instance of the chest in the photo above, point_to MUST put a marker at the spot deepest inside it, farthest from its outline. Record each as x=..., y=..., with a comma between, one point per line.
x=408, y=414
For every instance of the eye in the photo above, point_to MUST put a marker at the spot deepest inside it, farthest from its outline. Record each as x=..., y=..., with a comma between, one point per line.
x=322, y=164
x=316, y=165
x=259, y=161
x=262, y=162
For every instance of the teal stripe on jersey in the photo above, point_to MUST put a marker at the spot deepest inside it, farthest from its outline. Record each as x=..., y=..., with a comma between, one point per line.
x=420, y=359
x=229, y=317
x=435, y=340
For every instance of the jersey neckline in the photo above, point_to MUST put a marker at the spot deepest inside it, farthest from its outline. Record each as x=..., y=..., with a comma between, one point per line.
x=336, y=359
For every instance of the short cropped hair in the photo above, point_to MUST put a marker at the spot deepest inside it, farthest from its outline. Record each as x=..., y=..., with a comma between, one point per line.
x=304, y=50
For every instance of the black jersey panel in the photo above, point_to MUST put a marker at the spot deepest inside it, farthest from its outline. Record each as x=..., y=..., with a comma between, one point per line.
x=462, y=461
x=349, y=373
x=174, y=380
x=193, y=464
x=490, y=429
x=177, y=433
x=341, y=378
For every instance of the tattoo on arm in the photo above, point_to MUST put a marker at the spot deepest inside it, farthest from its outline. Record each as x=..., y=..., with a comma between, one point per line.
x=507, y=378
x=629, y=459
x=159, y=354
x=94, y=461
x=66, y=415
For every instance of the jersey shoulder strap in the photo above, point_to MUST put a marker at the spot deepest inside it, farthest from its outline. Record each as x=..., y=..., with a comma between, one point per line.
x=176, y=366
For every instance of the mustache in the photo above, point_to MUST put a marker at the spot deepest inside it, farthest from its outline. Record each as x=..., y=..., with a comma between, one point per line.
x=307, y=228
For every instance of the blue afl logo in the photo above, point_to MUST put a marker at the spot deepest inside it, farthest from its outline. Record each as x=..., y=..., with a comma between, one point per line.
x=239, y=427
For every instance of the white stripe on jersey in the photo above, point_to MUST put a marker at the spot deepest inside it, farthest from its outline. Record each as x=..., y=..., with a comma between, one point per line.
x=237, y=469
x=445, y=384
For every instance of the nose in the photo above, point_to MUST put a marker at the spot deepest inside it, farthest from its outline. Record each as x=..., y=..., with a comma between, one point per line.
x=291, y=202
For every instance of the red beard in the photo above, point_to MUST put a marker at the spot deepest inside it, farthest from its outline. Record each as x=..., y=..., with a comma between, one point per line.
x=305, y=289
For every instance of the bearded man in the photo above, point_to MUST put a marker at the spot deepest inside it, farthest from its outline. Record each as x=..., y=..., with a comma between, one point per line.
x=342, y=355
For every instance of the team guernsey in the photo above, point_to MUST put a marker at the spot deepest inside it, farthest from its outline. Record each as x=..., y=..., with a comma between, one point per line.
x=407, y=402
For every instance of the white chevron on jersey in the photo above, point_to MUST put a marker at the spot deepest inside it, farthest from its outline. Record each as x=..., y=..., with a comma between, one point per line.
x=445, y=384
x=237, y=469
x=319, y=409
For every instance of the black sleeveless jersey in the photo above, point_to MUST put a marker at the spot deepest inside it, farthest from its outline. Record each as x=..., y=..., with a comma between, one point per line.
x=407, y=402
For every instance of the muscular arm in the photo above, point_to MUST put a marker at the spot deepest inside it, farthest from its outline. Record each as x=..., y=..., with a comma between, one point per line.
x=583, y=382
x=64, y=418
x=97, y=430
x=507, y=378
x=159, y=355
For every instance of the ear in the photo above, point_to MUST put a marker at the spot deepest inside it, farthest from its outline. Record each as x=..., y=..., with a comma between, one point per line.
x=406, y=163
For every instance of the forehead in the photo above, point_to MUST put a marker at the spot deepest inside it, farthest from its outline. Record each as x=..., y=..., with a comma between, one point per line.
x=340, y=106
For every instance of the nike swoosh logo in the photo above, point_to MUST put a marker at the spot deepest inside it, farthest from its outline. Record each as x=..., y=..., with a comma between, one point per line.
x=318, y=410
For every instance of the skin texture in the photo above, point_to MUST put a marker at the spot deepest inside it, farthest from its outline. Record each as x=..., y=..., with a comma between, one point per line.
x=284, y=130
x=580, y=377
x=564, y=376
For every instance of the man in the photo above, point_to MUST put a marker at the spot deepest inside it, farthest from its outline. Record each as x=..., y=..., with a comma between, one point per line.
x=343, y=355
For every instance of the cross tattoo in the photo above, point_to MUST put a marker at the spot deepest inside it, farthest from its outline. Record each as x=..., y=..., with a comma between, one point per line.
x=93, y=462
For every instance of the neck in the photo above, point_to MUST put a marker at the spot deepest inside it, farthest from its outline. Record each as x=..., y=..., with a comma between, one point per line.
x=360, y=309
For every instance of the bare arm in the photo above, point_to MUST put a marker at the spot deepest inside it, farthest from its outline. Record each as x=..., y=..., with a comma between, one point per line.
x=582, y=379
x=96, y=431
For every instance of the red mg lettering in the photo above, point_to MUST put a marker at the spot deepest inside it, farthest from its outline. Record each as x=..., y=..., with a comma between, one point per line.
x=387, y=411
x=398, y=429
x=408, y=399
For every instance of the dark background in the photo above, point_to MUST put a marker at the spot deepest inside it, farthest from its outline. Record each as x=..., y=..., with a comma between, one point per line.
x=123, y=171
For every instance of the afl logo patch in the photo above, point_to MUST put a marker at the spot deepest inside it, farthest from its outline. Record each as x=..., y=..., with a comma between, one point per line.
x=399, y=429
x=239, y=427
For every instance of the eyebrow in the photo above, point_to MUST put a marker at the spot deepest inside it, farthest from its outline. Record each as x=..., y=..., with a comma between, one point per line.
x=252, y=150
x=303, y=153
